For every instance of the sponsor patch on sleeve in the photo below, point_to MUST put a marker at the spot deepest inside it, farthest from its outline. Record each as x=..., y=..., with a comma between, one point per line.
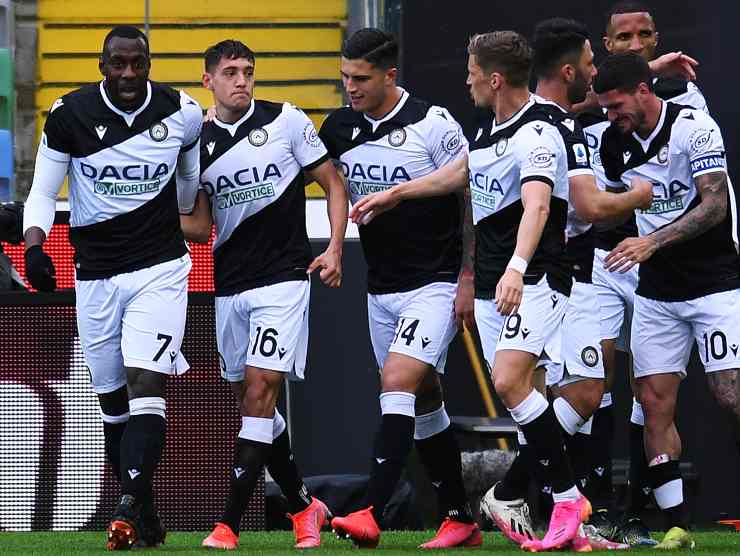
x=707, y=162
x=541, y=157
x=579, y=150
x=699, y=140
x=311, y=136
x=451, y=141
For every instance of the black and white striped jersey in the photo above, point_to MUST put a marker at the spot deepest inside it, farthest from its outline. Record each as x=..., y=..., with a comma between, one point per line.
x=252, y=171
x=122, y=175
x=579, y=247
x=504, y=157
x=418, y=242
x=594, y=123
x=685, y=144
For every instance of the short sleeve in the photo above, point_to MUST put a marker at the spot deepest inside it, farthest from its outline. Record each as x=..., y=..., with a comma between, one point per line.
x=576, y=150
x=537, y=152
x=305, y=143
x=56, y=139
x=193, y=115
x=700, y=138
x=444, y=137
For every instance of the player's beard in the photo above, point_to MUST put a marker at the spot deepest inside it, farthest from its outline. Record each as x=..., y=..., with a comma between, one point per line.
x=578, y=90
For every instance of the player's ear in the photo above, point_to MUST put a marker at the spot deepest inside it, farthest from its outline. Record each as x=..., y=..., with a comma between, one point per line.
x=101, y=66
x=607, y=43
x=657, y=38
x=207, y=83
x=568, y=73
x=391, y=74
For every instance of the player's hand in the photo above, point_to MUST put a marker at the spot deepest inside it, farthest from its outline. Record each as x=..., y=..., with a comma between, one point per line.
x=465, y=301
x=367, y=208
x=509, y=292
x=629, y=252
x=591, y=102
x=644, y=190
x=675, y=64
x=210, y=114
x=330, y=263
x=40, y=269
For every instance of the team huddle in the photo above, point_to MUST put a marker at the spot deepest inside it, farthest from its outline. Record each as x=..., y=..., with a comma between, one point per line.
x=577, y=216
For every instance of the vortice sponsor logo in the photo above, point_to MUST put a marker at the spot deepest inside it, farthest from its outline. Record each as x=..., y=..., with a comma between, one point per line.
x=483, y=189
x=366, y=187
x=125, y=188
x=244, y=195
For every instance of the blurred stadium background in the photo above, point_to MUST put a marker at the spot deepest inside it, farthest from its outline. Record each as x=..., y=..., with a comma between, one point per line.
x=51, y=459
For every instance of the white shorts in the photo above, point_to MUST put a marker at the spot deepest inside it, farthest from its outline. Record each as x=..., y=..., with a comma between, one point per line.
x=616, y=293
x=134, y=320
x=264, y=327
x=581, y=351
x=534, y=328
x=419, y=323
x=666, y=330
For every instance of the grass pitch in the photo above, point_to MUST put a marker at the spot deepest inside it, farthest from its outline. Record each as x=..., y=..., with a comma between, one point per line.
x=280, y=543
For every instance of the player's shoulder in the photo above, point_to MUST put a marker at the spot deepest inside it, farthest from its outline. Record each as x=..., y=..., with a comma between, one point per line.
x=165, y=96
x=590, y=118
x=267, y=111
x=668, y=88
x=77, y=101
x=340, y=117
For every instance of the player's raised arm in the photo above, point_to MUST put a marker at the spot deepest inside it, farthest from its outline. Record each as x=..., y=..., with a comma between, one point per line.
x=443, y=181
x=330, y=261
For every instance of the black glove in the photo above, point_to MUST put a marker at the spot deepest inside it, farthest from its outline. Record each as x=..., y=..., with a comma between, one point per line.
x=11, y=222
x=40, y=269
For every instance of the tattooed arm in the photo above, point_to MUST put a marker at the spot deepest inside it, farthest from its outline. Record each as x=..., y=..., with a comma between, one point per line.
x=464, y=301
x=708, y=213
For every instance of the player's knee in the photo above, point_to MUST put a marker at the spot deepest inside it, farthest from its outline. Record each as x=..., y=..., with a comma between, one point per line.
x=656, y=406
x=144, y=383
x=507, y=388
x=114, y=403
x=260, y=393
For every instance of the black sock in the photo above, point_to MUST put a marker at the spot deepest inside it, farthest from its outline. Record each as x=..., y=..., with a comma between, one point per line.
x=141, y=449
x=659, y=476
x=113, y=432
x=249, y=459
x=440, y=454
x=599, y=488
x=639, y=485
x=577, y=449
x=283, y=469
x=545, y=439
x=516, y=480
x=392, y=447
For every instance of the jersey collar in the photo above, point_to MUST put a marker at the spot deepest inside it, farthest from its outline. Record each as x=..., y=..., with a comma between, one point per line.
x=645, y=143
x=233, y=128
x=515, y=117
x=128, y=117
x=392, y=113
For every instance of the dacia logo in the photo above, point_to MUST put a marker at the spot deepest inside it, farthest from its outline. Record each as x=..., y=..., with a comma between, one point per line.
x=129, y=172
x=242, y=177
x=375, y=172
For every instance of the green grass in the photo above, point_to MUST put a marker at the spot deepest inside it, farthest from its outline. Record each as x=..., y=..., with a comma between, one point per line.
x=278, y=543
